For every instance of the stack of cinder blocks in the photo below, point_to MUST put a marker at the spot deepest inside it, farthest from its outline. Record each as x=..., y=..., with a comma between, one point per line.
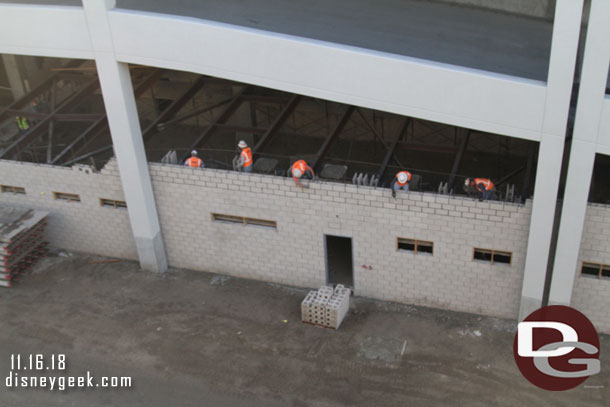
x=326, y=307
x=21, y=241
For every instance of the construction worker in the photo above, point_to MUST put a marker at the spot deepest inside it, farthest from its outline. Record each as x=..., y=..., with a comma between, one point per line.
x=22, y=123
x=300, y=169
x=245, y=157
x=483, y=185
x=194, y=161
x=401, y=182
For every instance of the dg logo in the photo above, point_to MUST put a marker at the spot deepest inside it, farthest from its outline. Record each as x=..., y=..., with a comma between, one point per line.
x=557, y=348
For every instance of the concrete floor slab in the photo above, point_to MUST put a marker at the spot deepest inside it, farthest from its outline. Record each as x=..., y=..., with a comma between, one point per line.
x=470, y=37
x=192, y=338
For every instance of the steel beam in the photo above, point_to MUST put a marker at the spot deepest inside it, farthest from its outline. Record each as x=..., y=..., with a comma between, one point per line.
x=390, y=151
x=221, y=119
x=43, y=126
x=197, y=112
x=277, y=122
x=59, y=117
x=458, y=160
x=101, y=124
x=509, y=176
x=173, y=108
x=331, y=137
x=95, y=128
x=31, y=95
x=89, y=154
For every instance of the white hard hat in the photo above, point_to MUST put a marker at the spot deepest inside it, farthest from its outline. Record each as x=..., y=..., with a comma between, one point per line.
x=297, y=173
x=467, y=182
x=402, y=177
x=242, y=144
x=194, y=152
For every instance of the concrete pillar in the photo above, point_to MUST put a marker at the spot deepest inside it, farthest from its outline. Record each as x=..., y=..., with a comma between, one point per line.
x=582, y=155
x=566, y=30
x=120, y=104
x=14, y=76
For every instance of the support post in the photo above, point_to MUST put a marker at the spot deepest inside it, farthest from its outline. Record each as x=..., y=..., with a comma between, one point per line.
x=14, y=76
x=122, y=114
x=566, y=31
x=582, y=154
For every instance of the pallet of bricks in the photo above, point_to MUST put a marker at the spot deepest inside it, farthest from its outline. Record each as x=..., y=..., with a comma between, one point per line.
x=326, y=306
x=21, y=241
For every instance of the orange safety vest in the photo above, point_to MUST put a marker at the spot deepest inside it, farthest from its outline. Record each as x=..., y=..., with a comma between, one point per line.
x=486, y=182
x=194, y=162
x=246, y=154
x=408, y=178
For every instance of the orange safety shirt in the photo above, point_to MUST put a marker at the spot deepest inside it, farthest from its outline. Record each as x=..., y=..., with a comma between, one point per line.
x=246, y=155
x=194, y=162
x=486, y=183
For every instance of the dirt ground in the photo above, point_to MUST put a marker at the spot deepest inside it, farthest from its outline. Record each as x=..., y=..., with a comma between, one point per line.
x=193, y=339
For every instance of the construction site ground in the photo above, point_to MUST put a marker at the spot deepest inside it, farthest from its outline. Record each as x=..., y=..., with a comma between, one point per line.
x=191, y=338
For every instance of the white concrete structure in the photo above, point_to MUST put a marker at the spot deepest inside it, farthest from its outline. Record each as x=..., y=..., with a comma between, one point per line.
x=435, y=90
x=591, y=136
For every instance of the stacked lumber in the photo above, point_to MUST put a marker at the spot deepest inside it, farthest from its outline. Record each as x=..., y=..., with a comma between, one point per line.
x=326, y=306
x=21, y=241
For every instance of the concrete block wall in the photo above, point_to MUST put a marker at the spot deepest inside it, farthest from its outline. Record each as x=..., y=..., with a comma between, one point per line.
x=590, y=295
x=295, y=254
x=80, y=226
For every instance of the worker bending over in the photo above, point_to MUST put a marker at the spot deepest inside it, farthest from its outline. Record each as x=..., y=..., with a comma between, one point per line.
x=483, y=185
x=401, y=182
x=194, y=161
x=300, y=169
x=245, y=157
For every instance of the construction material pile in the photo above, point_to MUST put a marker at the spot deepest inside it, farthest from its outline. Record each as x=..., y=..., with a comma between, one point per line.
x=326, y=306
x=21, y=241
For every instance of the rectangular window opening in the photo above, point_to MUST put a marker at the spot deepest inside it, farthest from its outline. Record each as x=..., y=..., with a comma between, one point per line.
x=492, y=256
x=112, y=203
x=593, y=270
x=484, y=255
x=261, y=222
x=415, y=246
x=218, y=217
x=62, y=196
x=606, y=272
x=11, y=189
x=502, y=257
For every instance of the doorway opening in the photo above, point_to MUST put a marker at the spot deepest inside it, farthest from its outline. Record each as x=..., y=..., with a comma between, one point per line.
x=339, y=265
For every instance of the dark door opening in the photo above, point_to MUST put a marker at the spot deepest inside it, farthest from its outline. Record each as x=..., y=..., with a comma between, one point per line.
x=339, y=267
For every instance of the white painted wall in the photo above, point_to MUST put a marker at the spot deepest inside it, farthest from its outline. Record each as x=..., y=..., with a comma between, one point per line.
x=408, y=86
x=52, y=31
x=591, y=295
x=83, y=226
x=294, y=253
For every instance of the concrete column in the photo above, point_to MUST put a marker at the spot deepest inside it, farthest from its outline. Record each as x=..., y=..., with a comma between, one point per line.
x=120, y=104
x=566, y=31
x=14, y=76
x=582, y=155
